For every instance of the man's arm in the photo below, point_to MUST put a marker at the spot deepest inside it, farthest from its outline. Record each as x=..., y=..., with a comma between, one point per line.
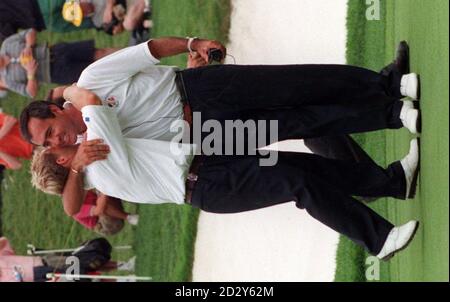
x=88, y=152
x=73, y=194
x=171, y=46
x=125, y=63
x=80, y=97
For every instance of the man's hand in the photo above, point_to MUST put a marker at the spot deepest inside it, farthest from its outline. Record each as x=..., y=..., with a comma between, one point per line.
x=27, y=52
x=31, y=67
x=195, y=60
x=88, y=152
x=202, y=47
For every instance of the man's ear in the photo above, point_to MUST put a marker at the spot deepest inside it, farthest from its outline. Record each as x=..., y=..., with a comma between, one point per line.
x=55, y=109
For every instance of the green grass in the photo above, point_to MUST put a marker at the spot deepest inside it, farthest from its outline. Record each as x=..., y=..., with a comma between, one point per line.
x=164, y=240
x=424, y=24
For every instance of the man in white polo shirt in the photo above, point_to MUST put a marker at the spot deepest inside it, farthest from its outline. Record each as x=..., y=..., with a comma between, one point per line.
x=156, y=171
x=306, y=100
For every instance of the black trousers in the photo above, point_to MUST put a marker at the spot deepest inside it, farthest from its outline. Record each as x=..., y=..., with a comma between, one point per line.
x=307, y=100
x=68, y=60
x=324, y=187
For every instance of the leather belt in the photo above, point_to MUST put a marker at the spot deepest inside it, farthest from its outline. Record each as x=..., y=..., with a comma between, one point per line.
x=192, y=177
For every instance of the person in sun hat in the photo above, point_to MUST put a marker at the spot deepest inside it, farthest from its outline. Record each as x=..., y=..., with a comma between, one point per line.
x=72, y=12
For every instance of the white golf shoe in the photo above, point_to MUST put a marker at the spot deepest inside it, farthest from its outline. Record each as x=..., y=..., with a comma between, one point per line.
x=410, y=117
x=398, y=239
x=410, y=165
x=409, y=86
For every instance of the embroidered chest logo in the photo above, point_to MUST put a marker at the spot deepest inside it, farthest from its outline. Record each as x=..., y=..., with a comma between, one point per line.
x=112, y=102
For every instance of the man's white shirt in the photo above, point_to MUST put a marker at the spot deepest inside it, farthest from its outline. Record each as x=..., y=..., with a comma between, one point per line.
x=143, y=94
x=136, y=170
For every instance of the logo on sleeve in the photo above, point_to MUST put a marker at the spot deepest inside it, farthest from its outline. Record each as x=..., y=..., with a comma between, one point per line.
x=112, y=102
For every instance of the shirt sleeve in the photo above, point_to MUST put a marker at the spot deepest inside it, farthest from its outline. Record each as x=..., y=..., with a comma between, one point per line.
x=118, y=66
x=102, y=122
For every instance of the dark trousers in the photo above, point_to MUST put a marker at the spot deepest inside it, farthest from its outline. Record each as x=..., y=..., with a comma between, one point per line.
x=306, y=100
x=324, y=187
x=19, y=14
x=68, y=60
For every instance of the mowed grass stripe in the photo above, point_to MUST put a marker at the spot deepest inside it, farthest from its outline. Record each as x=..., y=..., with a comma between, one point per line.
x=424, y=24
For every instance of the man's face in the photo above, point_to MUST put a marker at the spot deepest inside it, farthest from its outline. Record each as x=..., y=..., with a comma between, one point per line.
x=52, y=132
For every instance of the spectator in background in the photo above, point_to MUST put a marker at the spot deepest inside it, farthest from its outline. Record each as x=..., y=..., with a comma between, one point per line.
x=112, y=16
x=23, y=64
x=53, y=18
x=94, y=255
x=12, y=147
x=19, y=14
x=131, y=15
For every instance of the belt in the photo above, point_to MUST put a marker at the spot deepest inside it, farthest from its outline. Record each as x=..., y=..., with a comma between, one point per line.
x=187, y=111
x=192, y=177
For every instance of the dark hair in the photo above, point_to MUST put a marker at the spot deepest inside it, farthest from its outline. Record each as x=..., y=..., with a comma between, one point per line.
x=36, y=109
x=59, y=100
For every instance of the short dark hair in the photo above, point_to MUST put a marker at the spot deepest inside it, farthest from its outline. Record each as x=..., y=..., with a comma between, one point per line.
x=36, y=109
x=59, y=100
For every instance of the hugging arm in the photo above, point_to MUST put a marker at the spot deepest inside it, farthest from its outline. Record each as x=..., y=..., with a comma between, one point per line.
x=88, y=152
